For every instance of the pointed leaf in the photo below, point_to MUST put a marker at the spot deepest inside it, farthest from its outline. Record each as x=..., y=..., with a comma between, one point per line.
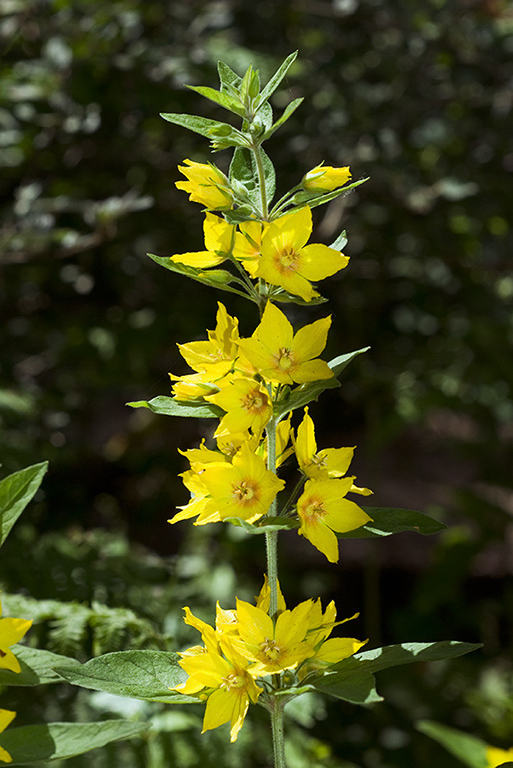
x=168, y=406
x=388, y=520
x=469, y=749
x=201, y=125
x=220, y=97
x=405, y=653
x=147, y=675
x=215, y=278
x=287, y=112
x=314, y=199
x=229, y=79
x=276, y=79
x=357, y=688
x=305, y=393
x=58, y=741
x=16, y=491
x=36, y=667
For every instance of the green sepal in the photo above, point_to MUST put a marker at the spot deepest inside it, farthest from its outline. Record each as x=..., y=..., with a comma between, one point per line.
x=469, y=749
x=275, y=80
x=352, y=676
x=388, y=520
x=37, y=667
x=16, y=491
x=305, y=393
x=147, y=675
x=168, y=406
x=32, y=744
x=287, y=112
x=215, y=278
x=222, y=98
x=340, y=242
x=266, y=525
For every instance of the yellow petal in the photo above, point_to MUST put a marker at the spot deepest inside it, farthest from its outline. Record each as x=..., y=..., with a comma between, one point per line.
x=322, y=538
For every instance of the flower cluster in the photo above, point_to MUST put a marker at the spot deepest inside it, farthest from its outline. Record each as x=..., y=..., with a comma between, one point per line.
x=274, y=251
x=11, y=632
x=246, y=379
x=231, y=668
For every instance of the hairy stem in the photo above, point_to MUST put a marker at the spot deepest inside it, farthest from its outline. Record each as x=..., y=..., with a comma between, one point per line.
x=277, y=731
x=261, y=180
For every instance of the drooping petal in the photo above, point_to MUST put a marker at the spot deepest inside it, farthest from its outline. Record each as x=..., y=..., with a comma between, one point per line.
x=322, y=538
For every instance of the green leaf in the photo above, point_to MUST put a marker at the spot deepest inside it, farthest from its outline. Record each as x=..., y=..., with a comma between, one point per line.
x=269, y=175
x=215, y=278
x=168, y=406
x=230, y=80
x=201, y=125
x=16, y=491
x=243, y=169
x=405, y=653
x=147, y=675
x=469, y=749
x=305, y=393
x=354, y=676
x=220, y=97
x=58, y=741
x=357, y=688
x=287, y=112
x=314, y=199
x=36, y=667
x=268, y=524
x=275, y=80
x=288, y=298
x=388, y=520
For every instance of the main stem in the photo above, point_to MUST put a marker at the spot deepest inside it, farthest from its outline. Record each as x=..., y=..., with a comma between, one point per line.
x=271, y=539
x=278, y=735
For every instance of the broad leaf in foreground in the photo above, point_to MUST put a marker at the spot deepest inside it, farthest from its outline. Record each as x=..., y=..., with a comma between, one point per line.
x=147, y=675
x=168, y=406
x=58, y=741
x=37, y=667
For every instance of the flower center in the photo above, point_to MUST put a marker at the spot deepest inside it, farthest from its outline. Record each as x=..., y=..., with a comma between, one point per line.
x=255, y=401
x=233, y=681
x=244, y=492
x=319, y=461
x=285, y=358
x=287, y=260
x=270, y=650
x=314, y=510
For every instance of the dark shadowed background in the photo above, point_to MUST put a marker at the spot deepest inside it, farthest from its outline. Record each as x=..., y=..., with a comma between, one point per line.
x=417, y=96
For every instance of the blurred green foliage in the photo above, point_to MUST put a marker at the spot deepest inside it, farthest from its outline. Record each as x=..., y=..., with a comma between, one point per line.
x=416, y=96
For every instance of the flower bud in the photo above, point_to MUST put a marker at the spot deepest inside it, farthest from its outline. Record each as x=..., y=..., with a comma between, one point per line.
x=325, y=178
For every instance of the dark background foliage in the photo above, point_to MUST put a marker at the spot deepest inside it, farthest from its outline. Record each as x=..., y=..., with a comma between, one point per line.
x=416, y=96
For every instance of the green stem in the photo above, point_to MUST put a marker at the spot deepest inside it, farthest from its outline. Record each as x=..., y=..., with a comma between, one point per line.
x=278, y=735
x=271, y=539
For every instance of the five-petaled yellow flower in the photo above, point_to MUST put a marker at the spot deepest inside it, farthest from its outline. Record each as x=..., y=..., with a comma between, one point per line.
x=247, y=405
x=6, y=718
x=325, y=178
x=11, y=632
x=497, y=757
x=281, y=356
x=285, y=259
x=206, y=184
x=322, y=509
x=219, y=239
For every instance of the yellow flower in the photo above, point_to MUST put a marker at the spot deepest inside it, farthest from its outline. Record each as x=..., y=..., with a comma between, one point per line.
x=219, y=237
x=330, y=462
x=325, y=178
x=322, y=509
x=219, y=352
x=221, y=674
x=280, y=356
x=244, y=488
x=247, y=405
x=6, y=718
x=206, y=185
x=288, y=262
x=11, y=632
x=497, y=757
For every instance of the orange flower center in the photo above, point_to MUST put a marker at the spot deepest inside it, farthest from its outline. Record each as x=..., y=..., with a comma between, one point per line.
x=286, y=260
x=255, y=401
x=245, y=492
x=313, y=510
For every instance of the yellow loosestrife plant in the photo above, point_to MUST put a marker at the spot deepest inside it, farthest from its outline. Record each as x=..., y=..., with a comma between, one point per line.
x=263, y=653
